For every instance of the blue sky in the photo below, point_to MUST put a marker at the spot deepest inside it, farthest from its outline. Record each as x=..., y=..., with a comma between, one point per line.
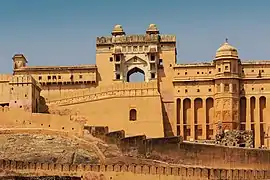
x=63, y=32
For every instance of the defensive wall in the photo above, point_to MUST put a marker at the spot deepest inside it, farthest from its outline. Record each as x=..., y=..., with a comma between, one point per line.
x=174, y=150
x=101, y=108
x=127, y=171
x=18, y=118
x=99, y=93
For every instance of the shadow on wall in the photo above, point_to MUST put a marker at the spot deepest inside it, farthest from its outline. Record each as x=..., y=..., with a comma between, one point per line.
x=43, y=108
x=166, y=122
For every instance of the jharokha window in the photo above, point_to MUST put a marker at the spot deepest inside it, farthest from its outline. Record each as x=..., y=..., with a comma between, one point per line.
x=133, y=115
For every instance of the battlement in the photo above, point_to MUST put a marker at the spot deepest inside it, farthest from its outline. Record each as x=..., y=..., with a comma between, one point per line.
x=255, y=62
x=83, y=170
x=146, y=38
x=5, y=77
x=24, y=79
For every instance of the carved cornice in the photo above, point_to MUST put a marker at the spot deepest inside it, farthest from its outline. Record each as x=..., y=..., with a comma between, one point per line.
x=56, y=68
x=146, y=38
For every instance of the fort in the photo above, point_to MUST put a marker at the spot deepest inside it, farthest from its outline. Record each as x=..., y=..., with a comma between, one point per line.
x=183, y=121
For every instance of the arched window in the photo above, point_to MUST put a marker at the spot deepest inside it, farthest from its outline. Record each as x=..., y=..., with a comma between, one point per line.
x=135, y=75
x=133, y=115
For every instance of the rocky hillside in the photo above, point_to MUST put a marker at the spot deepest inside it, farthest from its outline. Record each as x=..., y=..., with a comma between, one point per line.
x=50, y=149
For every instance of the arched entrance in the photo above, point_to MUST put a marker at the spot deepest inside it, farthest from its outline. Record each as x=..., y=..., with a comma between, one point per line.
x=135, y=75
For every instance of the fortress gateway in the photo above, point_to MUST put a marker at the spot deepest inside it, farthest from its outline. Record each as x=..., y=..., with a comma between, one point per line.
x=174, y=99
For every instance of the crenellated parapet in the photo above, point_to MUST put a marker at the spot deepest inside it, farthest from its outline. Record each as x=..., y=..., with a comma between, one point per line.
x=5, y=77
x=24, y=79
x=141, y=171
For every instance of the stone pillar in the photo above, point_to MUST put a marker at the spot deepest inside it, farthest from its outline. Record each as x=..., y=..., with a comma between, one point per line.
x=182, y=117
x=192, y=122
x=204, y=133
x=248, y=114
x=257, y=123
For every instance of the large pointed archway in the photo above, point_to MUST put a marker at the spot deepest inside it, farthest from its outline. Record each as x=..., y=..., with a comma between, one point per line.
x=135, y=75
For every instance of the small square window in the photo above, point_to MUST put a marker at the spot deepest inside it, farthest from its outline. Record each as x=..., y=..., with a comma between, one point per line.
x=209, y=90
x=153, y=57
x=111, y=59
x=80, y=76
x=252, y=89
x=262, y=71
x=210, y=72
x=262, y=89
x=198, y=90
x=219, y=69
x=252, y=70
x=186, y=90
x=59, y=77
x=226, y=67
x=198, y=72
x=49, y=77
x=185, y=73
x=40, y=78
x=117, y=76
x=160, y=62
x=153, y=75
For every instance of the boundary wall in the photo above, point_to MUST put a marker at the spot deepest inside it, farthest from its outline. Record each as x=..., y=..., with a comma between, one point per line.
x=130, y=171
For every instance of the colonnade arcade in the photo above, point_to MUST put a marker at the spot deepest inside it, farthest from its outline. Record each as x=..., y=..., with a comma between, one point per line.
x=195, y=118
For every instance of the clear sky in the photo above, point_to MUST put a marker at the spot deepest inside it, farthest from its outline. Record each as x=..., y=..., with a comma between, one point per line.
x=63, y=32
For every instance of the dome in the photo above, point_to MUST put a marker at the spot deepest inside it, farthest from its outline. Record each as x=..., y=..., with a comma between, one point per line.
x=118, y=30
x=152, y=29
x=226, y=51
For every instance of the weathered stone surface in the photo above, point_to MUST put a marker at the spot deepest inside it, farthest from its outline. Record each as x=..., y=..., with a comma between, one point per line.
x=44, y=148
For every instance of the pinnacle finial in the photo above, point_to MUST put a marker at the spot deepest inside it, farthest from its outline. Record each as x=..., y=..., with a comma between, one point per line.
x=226, y=40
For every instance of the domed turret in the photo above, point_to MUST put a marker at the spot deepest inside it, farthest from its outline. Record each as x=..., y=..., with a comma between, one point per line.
x=152, y=29
x=226, y=51
x=118, y=30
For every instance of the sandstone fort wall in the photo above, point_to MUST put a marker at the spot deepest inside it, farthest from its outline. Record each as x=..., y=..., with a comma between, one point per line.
x=16, y=118
x=174, y=150
x=101, y=108
x=130, y=171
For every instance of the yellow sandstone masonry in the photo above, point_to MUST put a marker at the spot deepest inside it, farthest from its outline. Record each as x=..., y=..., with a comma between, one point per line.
x=174, y=99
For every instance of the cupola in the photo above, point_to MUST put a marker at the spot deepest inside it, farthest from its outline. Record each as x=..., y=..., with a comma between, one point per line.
x=152, y=29
x=226, y=51
x=118, y=30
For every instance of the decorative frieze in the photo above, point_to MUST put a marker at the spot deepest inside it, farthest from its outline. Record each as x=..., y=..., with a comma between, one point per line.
x=146, y=38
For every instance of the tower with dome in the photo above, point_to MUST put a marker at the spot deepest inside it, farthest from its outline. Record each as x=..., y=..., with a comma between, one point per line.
x=171, y=99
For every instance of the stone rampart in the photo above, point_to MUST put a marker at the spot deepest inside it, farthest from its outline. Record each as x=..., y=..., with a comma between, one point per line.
x=17, y=118
x=174, y=150
x=130, y=171
x=117, y=90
